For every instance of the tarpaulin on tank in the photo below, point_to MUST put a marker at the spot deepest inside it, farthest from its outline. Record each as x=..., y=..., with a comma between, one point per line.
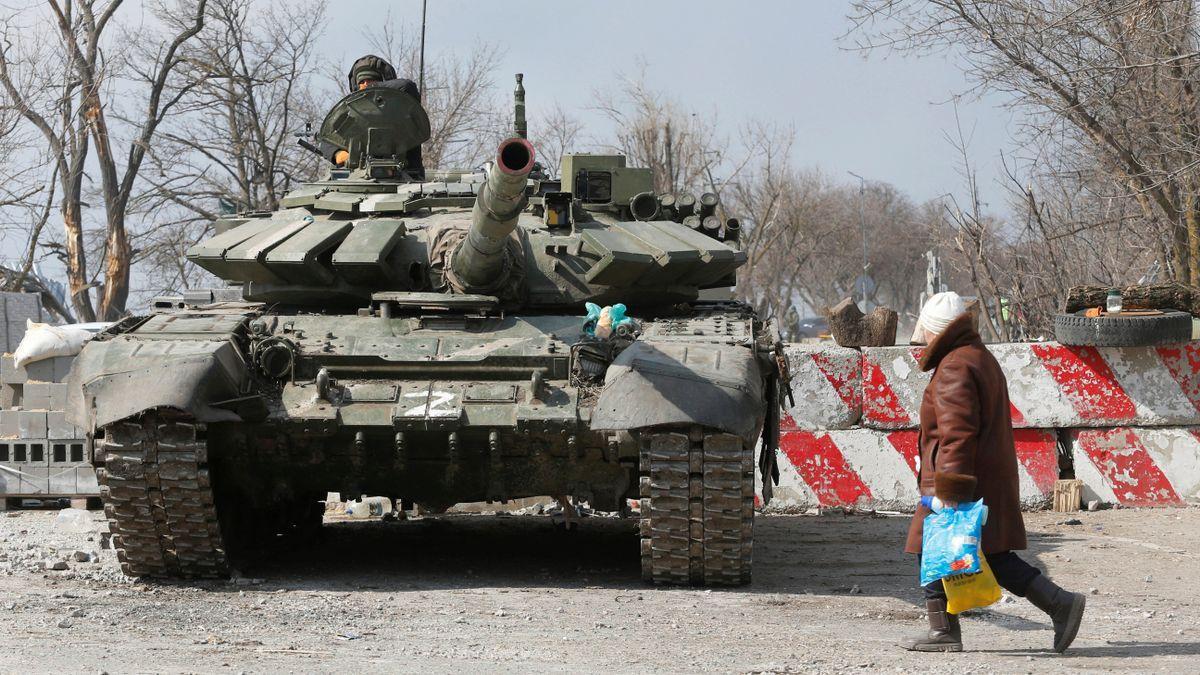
x=652, y=384
x=126, y=376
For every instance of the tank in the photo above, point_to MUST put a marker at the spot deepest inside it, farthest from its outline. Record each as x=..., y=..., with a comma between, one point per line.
x=425, y=336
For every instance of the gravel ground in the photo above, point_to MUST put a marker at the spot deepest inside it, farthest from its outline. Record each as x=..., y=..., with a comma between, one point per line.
x=476, y=593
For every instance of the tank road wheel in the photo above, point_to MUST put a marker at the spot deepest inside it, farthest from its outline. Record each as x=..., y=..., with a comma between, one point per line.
x=697, y=492
x=158, y=498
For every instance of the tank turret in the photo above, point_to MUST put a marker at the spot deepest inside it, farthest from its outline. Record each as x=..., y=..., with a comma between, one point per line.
x=479, y=260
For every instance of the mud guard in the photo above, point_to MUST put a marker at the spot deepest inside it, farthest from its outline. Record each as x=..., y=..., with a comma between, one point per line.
x=656, y=383
x=115, y=379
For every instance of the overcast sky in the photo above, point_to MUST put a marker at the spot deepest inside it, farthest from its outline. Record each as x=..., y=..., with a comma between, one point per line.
x=781, y=61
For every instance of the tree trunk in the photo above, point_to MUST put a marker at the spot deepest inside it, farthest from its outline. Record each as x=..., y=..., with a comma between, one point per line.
x=77, y=281
x=116, y=270
x=1175, y=296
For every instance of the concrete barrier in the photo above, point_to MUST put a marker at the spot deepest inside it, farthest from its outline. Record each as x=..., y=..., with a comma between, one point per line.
x=1052, y=385
x=878, y=469
x=826, y=384
x=1138, y=466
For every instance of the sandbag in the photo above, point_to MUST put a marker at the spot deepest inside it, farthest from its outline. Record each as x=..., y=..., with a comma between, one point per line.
x=43, y=341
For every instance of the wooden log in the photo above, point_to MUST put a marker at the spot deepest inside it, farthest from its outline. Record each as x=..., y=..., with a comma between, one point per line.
x=851, y=328
x=1180, y=297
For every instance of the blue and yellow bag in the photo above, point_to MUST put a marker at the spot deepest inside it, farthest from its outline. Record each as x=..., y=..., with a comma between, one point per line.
x=950, y=542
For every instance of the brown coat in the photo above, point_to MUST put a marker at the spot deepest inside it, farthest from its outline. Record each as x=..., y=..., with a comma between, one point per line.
x=966, y=439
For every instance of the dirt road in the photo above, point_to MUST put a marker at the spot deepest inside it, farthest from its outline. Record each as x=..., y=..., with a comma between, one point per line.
x=478, y=593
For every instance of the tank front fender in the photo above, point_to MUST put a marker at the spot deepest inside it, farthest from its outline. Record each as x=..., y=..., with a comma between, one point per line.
x=657, y=383
x=125, y=376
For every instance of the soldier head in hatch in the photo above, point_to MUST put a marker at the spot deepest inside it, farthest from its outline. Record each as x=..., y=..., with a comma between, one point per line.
x=368, y=70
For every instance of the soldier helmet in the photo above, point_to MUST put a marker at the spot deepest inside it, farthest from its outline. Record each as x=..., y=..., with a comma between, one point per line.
x=370, y=67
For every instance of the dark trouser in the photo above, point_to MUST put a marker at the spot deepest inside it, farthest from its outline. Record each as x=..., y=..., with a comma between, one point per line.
x=1012, y=573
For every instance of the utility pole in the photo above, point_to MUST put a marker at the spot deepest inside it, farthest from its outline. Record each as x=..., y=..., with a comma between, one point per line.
x=421, y=76
x=863, y=278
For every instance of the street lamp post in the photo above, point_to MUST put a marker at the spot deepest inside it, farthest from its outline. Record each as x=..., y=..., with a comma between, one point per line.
x=862, y=226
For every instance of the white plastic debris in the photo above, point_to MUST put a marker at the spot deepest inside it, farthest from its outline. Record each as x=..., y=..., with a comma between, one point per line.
x=43, y=341
x=367, y=507
x=74, y=520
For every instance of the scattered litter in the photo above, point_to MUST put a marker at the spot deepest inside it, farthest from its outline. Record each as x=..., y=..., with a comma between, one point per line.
x=74, y=520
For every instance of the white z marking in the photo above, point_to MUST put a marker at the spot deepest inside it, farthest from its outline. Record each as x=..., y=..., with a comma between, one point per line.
x=433, y=406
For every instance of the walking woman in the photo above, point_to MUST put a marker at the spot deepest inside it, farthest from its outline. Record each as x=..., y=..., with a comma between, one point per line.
x=967, y=454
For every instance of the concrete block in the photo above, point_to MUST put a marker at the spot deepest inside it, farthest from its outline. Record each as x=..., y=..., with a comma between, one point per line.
x=10, y=395
x=31, y=424
x=32, y=452
x=1051, y=385
x=826, y=382
x=15, y=331
x=69, y=452
x=878, y=469
x=85, y=482
x=1138, y=466
x=36, y=396
x=57, y=425
x=54, y=369
x=10, y=373
x=58, y=395
x=21, y=306
x=9, y=424
x=62, y=481
x=19, y=479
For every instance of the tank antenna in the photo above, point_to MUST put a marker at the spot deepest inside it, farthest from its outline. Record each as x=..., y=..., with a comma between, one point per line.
x=421, y=68
x=519, y=126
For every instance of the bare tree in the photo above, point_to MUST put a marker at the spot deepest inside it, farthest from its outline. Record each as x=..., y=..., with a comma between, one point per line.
x=803, y=237
x=655, y=131
x=63, y=83
x=231, y=144
x=556, y=133
x=1109, y=85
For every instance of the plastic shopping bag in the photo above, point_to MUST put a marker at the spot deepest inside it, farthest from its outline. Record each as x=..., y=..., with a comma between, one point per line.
x=968, y=591
x=950, y=541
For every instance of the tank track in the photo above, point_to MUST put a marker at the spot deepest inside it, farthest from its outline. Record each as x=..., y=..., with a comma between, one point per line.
x=697, y=506
x=158, y=498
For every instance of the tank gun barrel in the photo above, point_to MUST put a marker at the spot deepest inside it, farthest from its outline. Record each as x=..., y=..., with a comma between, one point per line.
x=479, y=260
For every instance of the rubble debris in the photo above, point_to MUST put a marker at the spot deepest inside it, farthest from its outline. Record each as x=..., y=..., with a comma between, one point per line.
x=851, y=328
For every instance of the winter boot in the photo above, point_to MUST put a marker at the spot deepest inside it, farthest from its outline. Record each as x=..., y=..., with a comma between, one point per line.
x=1065, y=609
x=945, y=634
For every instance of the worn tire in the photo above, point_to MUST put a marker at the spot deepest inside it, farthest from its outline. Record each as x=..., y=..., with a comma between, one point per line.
x=1123, y=331
x=697, y=507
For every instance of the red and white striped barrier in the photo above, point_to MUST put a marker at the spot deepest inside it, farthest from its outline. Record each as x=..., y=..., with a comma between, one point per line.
x=826, y=383
x=1138, y=466
x=1052, y=385
x=878, y=469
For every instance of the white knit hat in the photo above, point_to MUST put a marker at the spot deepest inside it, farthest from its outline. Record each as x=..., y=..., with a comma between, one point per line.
x=939, y=310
